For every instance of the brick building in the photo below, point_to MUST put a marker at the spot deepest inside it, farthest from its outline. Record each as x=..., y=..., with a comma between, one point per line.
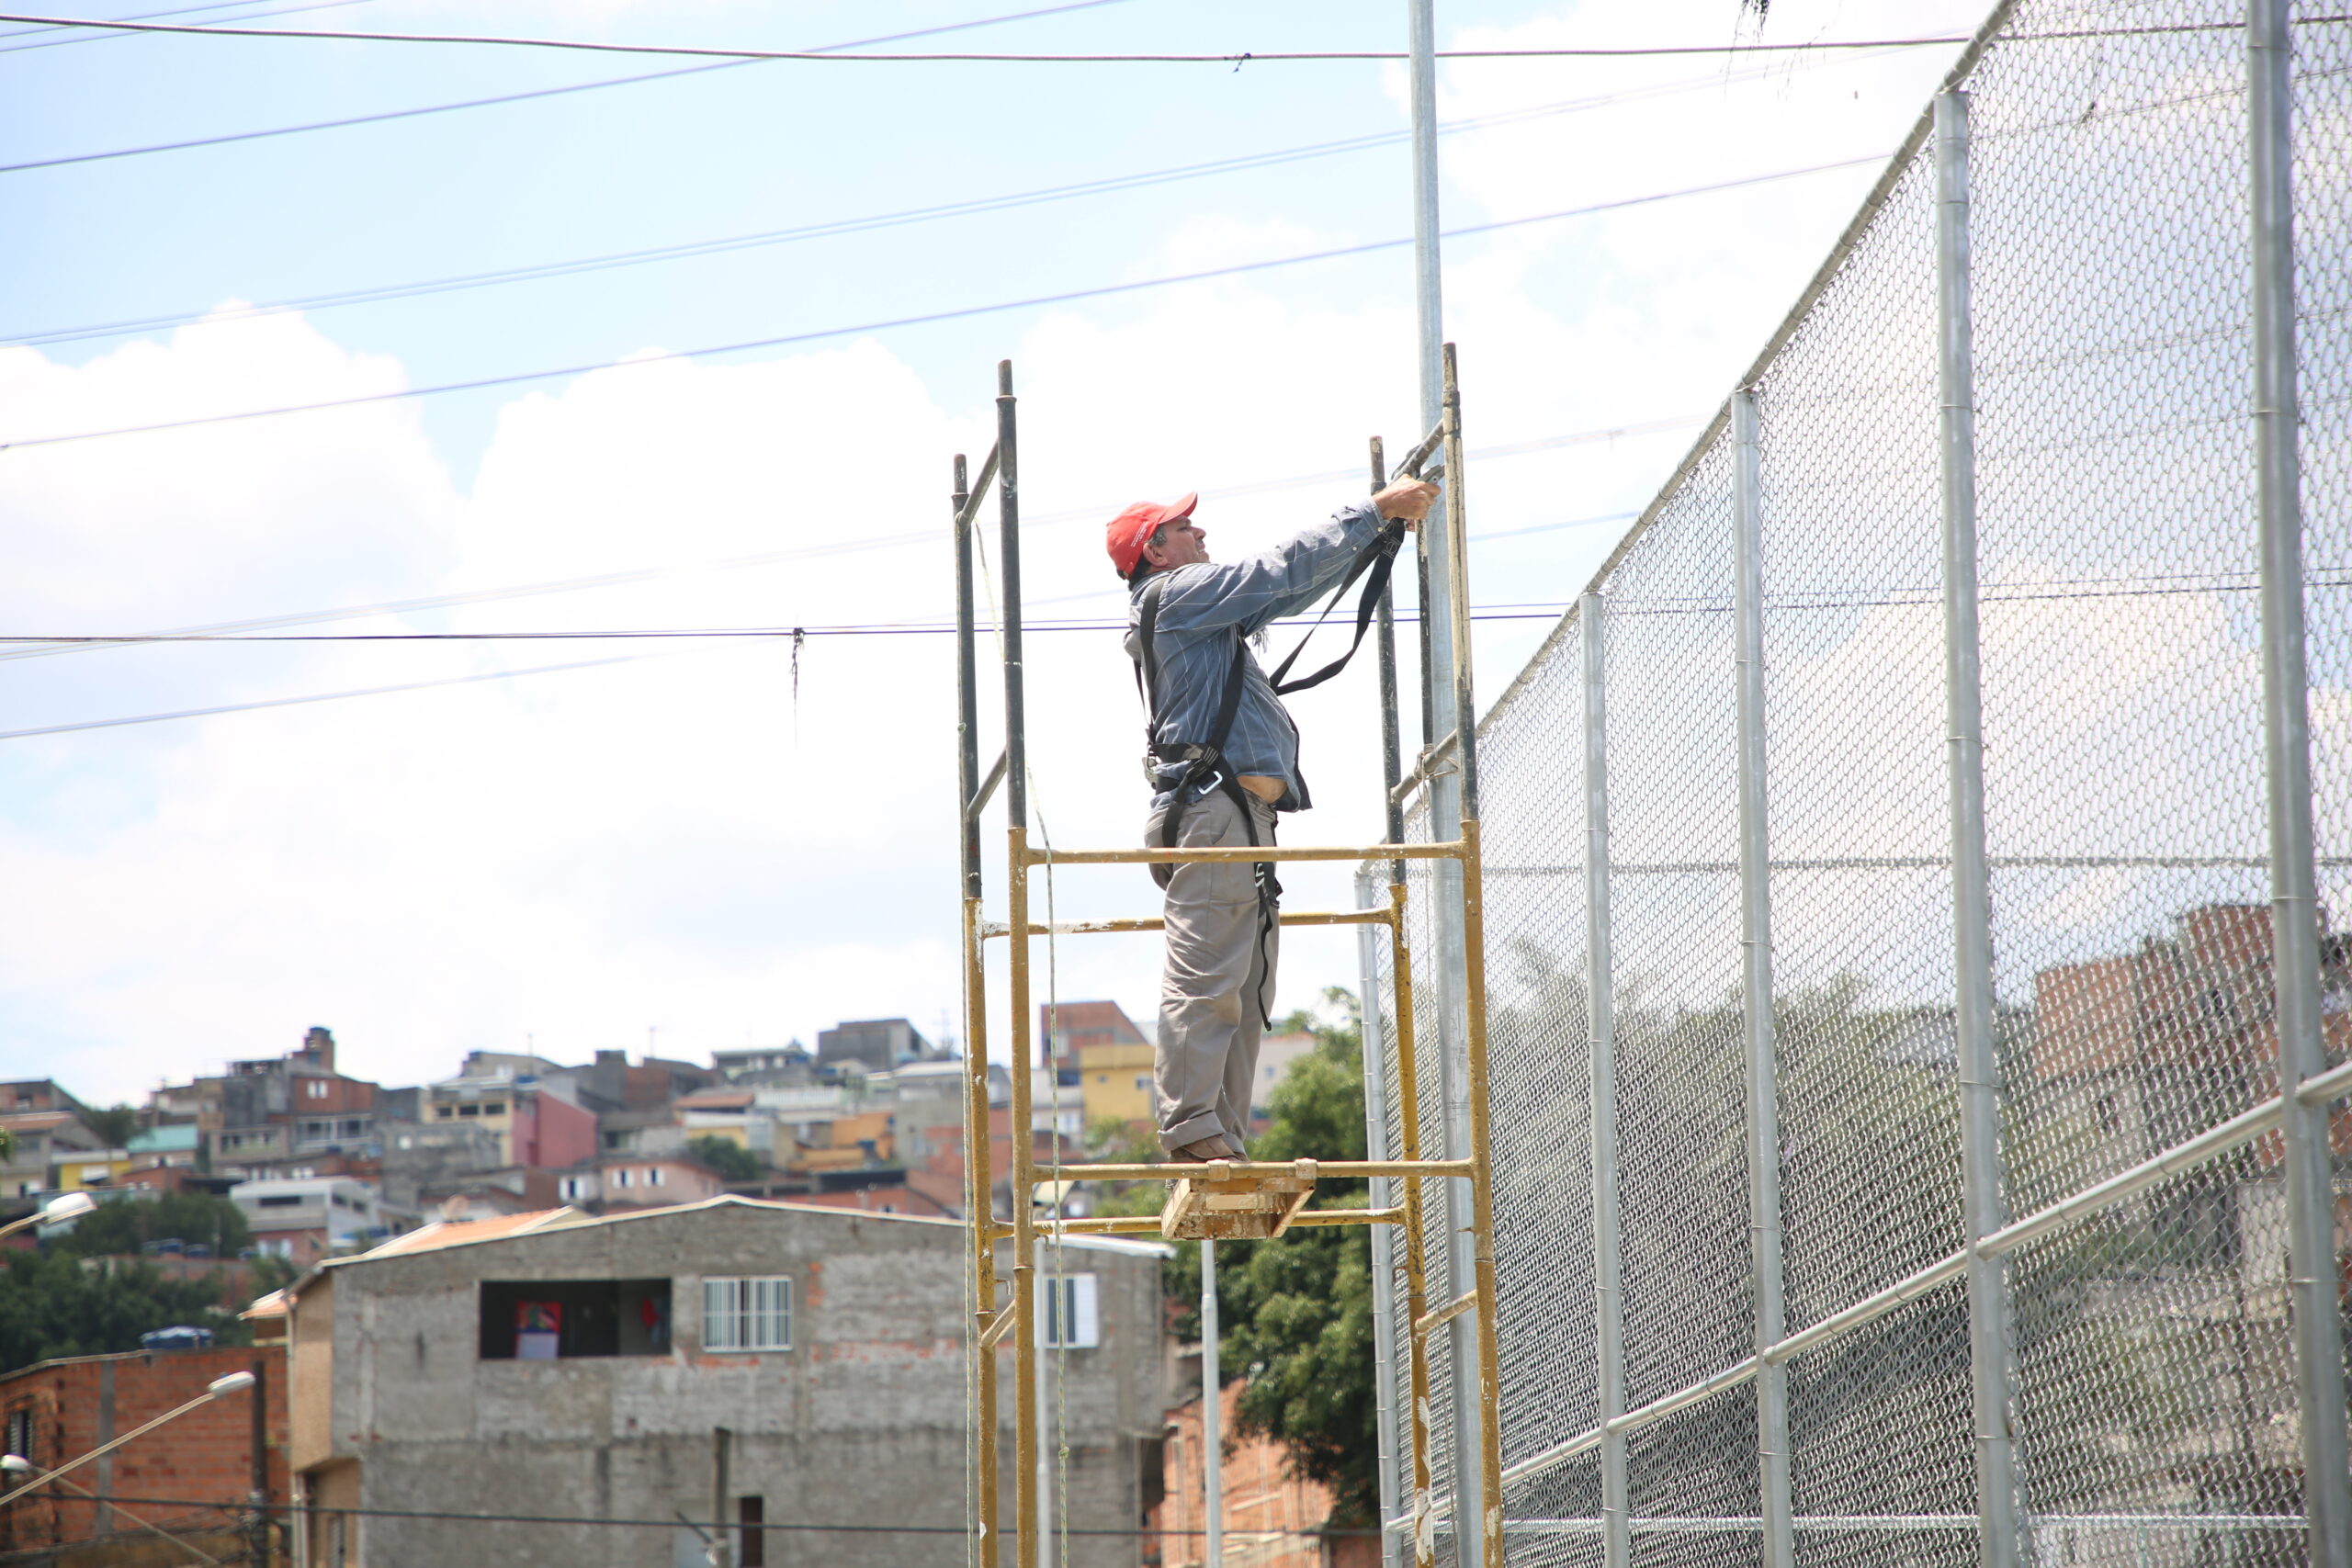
x=1270, y=1518
x=53, y=1411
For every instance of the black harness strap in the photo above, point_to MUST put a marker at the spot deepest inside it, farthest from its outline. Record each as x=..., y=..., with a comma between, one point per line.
x=1379, y=559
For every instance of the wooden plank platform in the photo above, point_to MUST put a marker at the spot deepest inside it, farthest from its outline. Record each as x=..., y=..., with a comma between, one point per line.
x=1221, y=1207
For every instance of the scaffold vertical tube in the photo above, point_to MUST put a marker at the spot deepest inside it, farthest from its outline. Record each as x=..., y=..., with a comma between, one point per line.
x=1601, y=1026
x=1448, y=809
x=1988, y=1324
x=1483, y=1323
x=2316, y=1310
x=1409, y=1122
x=1371, y=1031
x=1392, y=752
x=1028, y=1526
x=1755, y=987
x=978, y=1180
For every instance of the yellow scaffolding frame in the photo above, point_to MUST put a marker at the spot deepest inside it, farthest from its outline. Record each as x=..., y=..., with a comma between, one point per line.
x=1015, y=1320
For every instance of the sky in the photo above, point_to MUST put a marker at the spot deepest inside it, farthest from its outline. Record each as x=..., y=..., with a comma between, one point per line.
x=713, y=842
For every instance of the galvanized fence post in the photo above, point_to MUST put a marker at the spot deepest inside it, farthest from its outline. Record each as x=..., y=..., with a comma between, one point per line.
x=1373, y=1033
x=1601, y=1026
x=1988, y=1317
x=2294, y=902
x=1756, y=987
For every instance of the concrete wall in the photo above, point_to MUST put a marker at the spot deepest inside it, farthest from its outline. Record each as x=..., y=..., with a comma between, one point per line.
x=861, y=1423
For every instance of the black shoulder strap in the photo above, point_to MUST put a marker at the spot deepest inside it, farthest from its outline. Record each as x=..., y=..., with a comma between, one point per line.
x=1380, y=557
x=1147, y=672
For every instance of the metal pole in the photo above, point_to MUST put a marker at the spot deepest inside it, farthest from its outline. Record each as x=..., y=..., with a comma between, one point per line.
x=1051, y=1279
x=1384, y=1195
x=1988, y=1311
x=1212, y=1419
x=2294, y=902
x=1756, y=990
x=979, y=1190
x=1600, y=1024
x=1428, y=328
x=1028, y=1525
x=721, y=1548
x=260, y=1546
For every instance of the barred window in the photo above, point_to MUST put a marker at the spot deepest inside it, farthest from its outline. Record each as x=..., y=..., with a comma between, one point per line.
x=752, y=1313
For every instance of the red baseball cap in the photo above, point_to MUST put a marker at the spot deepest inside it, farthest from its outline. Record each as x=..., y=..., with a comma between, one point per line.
x=1125, y=536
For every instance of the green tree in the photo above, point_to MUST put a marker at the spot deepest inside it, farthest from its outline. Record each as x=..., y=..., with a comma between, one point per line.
x=55, y=1304
x=730, y=1159
x=115, y=1126
x=126, y=1225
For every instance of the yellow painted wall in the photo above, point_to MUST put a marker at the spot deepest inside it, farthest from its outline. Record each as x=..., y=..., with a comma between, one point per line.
x=1116, y=1081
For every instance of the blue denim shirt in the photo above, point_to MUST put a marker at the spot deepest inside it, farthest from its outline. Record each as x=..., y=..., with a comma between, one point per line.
x=1193, y=643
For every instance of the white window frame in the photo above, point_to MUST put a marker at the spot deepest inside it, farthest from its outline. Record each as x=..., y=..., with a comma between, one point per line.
x=1073, y=1299
x=620, y=1178
x=654, y=1175
x=747, y=1313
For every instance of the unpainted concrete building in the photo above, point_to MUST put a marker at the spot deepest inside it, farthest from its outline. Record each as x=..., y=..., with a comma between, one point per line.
x=569, y=1369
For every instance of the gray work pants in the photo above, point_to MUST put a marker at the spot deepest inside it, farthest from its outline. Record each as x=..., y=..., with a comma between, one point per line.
x=1219, y=980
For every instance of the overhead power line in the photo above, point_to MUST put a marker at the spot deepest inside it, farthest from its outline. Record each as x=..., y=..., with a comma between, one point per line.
x=82, y=37
x=520, y=97
x=840, y=547
x=929, y=317
x=768, y=635
x=1244, y=57
x=1107, y=185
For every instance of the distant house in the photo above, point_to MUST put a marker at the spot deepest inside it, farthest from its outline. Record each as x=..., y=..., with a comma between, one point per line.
x=561, y=1365
x=305, y=1220
x=638, y=1181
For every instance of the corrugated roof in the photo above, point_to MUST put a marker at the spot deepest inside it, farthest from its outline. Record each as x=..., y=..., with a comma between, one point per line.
x=454, y=1233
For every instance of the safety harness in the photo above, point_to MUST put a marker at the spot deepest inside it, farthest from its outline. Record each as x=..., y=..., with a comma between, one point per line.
x=1205, y=767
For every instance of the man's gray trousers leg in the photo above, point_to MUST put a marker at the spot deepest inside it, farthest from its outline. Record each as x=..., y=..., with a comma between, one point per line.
x=1219, y=979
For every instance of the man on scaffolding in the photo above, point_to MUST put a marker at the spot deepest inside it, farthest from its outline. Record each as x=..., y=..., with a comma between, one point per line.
x=1223, y=761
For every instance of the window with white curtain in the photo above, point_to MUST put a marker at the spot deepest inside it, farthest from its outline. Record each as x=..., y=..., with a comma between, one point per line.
x=752, y=1313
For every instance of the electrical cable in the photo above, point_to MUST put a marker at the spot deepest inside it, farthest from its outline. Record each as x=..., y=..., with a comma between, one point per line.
x=768, y=635
x=535, y=92
x=1233, y=59
x=724, y=244
x=248, y=1506
x=149, y=15
x=930, y=317
x=847, y=547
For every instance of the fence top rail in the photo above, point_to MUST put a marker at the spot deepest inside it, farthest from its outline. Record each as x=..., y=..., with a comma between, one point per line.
x=1239, y=1169
x=1247, y=854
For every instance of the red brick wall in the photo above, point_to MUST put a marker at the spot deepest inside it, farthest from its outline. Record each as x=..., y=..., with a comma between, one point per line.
x=205, y=1456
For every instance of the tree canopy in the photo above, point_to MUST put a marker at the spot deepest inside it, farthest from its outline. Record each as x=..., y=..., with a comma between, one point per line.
x=725, y=1156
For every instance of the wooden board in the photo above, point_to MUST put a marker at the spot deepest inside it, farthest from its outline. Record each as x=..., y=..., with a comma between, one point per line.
x=1224, y=1207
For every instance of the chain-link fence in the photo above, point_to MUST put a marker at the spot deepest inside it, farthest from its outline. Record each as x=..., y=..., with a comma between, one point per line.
x=2144, y=1406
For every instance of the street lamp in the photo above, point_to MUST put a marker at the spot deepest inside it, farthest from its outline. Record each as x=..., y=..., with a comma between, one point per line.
x=17, y=1465
x=56, y=1212
x=219, y=1388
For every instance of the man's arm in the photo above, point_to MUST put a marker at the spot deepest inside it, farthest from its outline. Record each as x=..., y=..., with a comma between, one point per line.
x=1249, y=593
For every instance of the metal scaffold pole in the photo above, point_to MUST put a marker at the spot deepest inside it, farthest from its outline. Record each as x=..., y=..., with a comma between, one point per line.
x=980, y=1188
x=1988, y=1306
x=2316, y=1312
x=1756, y=989
x=1028, y=1524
